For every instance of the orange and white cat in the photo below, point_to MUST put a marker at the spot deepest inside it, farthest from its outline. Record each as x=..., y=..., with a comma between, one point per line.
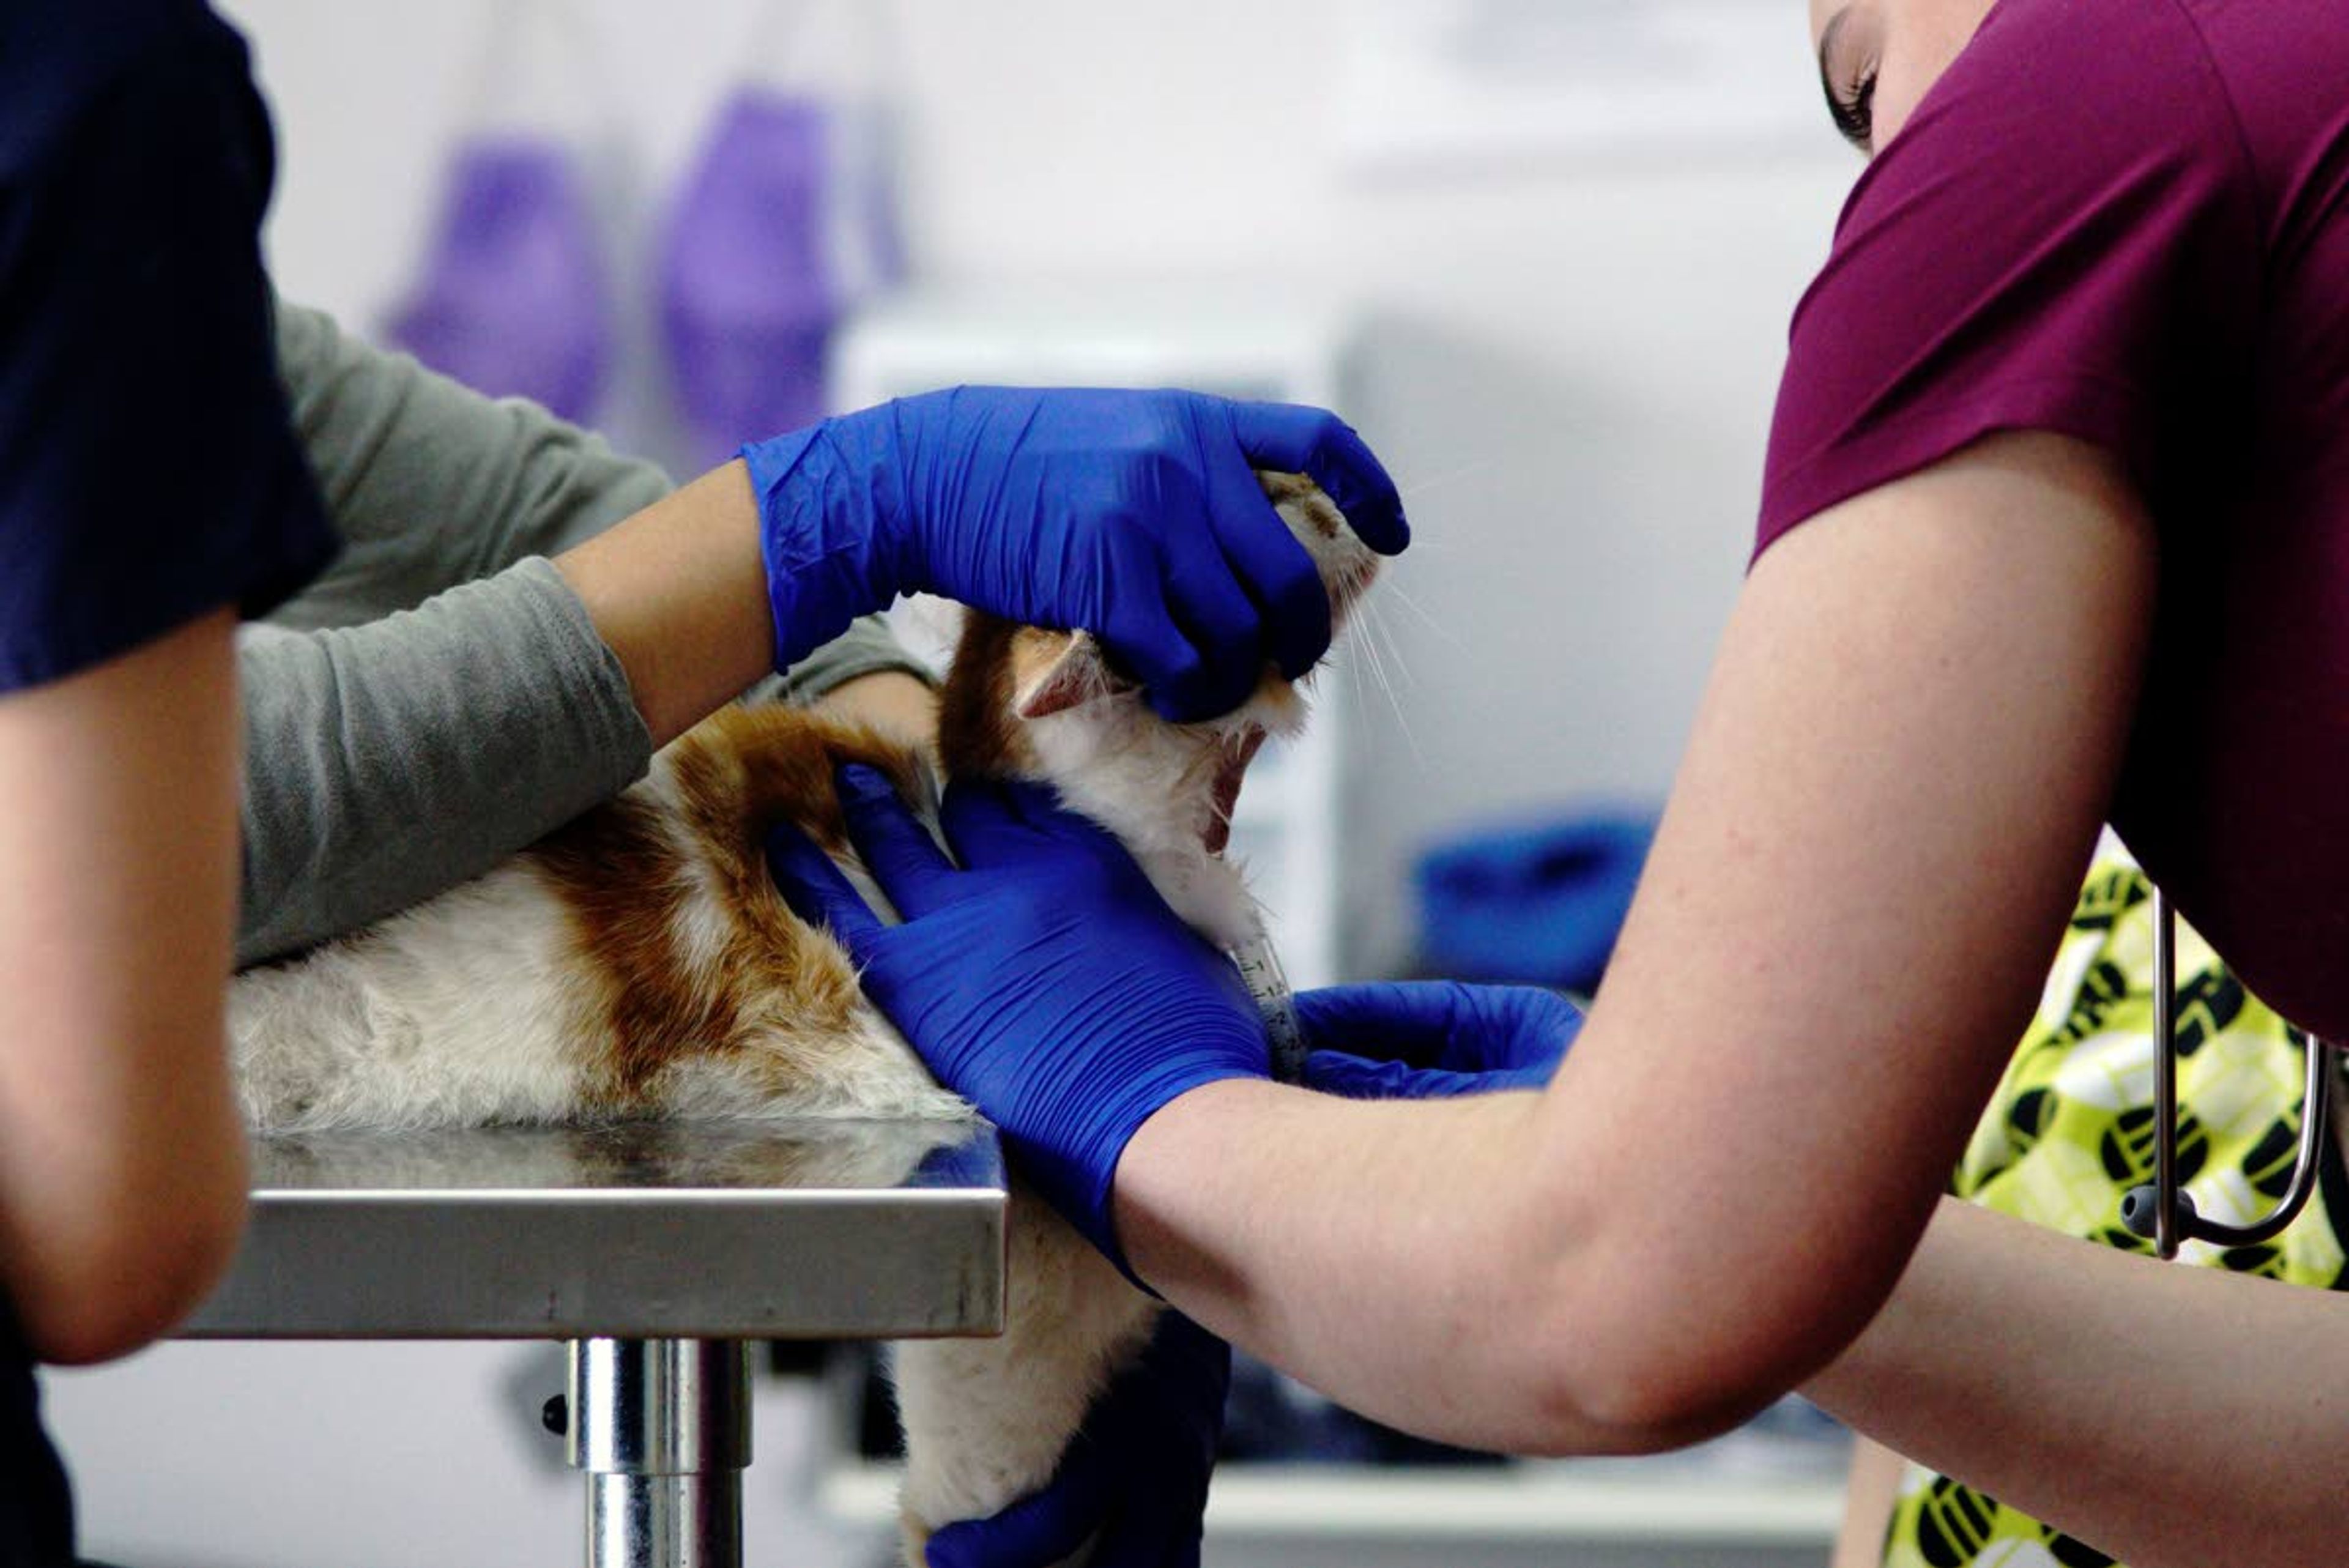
x=638, y=963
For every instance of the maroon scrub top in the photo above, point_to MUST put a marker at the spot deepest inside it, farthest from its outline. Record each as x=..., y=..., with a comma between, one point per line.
x=2128, y=221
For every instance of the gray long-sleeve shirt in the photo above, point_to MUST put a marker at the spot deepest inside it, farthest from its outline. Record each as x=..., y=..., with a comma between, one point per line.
x=438, y=698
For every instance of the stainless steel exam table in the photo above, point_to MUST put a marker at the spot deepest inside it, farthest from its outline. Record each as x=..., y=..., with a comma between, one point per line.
x=658, y=1251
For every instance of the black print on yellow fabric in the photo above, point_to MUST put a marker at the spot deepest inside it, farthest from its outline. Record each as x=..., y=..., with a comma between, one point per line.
x=2206, y=1003
x=2266, y=1261
x=1953, y=1524
x=2109, y=895
x=1956, y=1523
x=2029, y=1117
x=2269, y=1165
x=2105, y=987
x=2127, y=1147
x=2077, y=1554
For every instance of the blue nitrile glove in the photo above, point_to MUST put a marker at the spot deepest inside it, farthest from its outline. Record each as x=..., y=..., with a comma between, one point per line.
x=1430, y=1040
x=1135, y=1481
x=1045, y=981
x=1132, y=515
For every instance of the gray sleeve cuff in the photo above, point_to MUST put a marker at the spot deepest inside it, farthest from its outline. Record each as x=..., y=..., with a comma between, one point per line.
x=866, y=648
x=390, y=762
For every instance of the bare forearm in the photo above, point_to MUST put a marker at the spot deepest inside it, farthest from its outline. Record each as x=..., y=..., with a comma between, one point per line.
x=679, y=593
x=121, y=1162
x=1871, y=1489
x=890, y=700
x=2172, y=1417
x=1396, y=1256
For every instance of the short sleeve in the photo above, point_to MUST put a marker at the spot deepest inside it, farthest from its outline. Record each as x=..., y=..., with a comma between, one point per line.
x=2064, y=236
x=147, y=469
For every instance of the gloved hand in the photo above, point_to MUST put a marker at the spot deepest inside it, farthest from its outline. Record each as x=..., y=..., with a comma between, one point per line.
x=1045, y=981
x=1432, y=1039
x=1132, y=515
x=1135, y=1481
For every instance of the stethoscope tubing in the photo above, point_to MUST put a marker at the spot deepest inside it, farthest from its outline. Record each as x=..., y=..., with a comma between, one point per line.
x=2161, y=1210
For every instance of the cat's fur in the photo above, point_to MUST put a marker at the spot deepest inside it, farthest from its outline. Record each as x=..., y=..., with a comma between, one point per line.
x=639, y=963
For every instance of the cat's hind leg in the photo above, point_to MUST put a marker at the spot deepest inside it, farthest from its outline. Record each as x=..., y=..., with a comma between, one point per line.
x=986, y=1421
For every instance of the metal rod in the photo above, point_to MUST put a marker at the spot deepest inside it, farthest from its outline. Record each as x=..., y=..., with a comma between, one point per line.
x=663, y=1428
x=2315, y=1125
x=2173, y=1220
x=2165, y=1238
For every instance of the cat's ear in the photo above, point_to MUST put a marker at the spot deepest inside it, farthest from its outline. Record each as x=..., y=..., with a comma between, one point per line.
x=1080, y=673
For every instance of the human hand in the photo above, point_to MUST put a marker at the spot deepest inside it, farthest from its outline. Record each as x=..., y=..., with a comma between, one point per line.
x=1043, y=980
x=1134, y=1481
x=1133, y=515
x=1432, y=1039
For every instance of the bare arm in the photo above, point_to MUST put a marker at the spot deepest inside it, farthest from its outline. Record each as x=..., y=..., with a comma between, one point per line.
x=122, y=1160
x=1869, y=1492
x=890, y=700
x=679, y=593
x=2172, y=1417
x=409, y=720
x=1925, y=690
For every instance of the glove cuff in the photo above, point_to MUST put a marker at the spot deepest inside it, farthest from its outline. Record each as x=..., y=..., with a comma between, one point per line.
x=819, y=539
x=1076, y=1171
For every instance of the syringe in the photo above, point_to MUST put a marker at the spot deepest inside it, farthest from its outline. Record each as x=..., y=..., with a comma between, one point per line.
x=1261, y=967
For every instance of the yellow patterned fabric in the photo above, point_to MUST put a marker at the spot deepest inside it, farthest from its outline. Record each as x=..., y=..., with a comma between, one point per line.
x=2071, y=1130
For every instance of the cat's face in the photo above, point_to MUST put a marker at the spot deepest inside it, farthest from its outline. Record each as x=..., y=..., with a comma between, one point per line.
x=1047, y=705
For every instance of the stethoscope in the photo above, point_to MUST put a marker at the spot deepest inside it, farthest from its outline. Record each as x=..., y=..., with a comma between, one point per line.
x=2162, y=1211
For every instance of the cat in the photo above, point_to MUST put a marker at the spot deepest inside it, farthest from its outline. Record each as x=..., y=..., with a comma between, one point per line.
x=638, y=963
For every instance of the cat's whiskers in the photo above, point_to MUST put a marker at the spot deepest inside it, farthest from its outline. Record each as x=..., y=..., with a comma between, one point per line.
x=1353, y=687
x=1369, y=633
x=1389, y=651
x=1394, y=592
x=1469, y=470
x=1394, y=702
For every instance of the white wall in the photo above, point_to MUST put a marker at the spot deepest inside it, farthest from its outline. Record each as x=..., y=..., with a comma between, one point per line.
x=1569, y=367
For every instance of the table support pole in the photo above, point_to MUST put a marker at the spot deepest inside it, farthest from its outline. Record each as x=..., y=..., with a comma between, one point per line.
x=662, y=1426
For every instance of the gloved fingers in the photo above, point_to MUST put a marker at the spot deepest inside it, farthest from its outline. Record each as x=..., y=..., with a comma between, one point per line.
x=1181, y=682
x=1408, y=1021
x=1432, y=1039
x=1038, y=1530
x=1217, y=615
x=1158, y=1526
x=1180, y=1347
x=1536, y=1023
x=1360, y=1078
x=987, y=821
x=817, y=892
x=1294, y=438
x=1019, y=822
x=1041, y=809
x=1277, y=571
x=894, y=846
x=997, y=823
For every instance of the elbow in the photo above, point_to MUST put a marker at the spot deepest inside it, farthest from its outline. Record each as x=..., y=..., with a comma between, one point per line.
x=102, y=1285
x=1625, y=1372
x=1645, y=1405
